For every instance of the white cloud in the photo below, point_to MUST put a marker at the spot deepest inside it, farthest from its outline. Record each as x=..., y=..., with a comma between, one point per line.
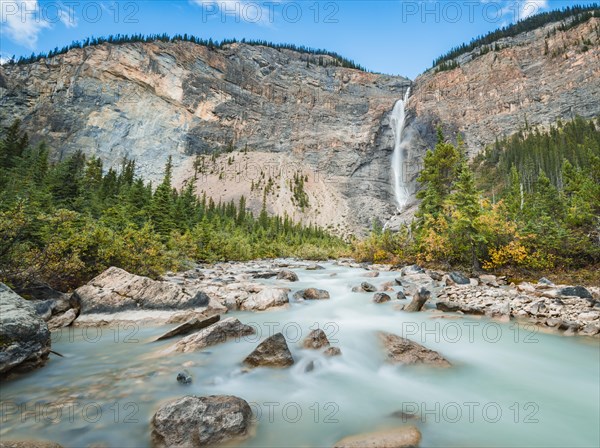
x=22, y=21
x=532, y=7
x=67, y=18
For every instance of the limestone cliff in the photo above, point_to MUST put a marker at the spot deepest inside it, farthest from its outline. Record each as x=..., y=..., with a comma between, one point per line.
x=148, y=101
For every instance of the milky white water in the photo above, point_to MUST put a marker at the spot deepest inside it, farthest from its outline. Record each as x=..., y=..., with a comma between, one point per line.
x=399, y=174
x=509, y=387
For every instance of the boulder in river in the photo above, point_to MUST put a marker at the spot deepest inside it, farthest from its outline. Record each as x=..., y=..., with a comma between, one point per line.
x=24, y=335
x=371, y=274
x=194, y=421
x=314, y=267
x=311, y=294
x=267, y=298
x=368, y=287
x=403, y=437
x=316, y=339
x=286, y=274
x=418, y=301
x=404, y=351
x=381, y=297
x=117, y=290
x=186, y=328
x=214, y=334
x=272, y=352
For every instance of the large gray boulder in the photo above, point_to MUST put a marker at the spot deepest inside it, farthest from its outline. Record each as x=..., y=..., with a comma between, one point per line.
x=117, y=290
x=400, y=350
x=403, y=437
x=217, y=333
x=192, y=422
x=265, y=299
x=272, y=352
x=24, y=336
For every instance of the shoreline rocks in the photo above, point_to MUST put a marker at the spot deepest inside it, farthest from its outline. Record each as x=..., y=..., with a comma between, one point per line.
x=24, y=335
x=555, y=307
x=117, y=290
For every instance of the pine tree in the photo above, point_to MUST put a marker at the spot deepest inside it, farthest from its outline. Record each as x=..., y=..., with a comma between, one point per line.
x=464, y=230
x=161, y=208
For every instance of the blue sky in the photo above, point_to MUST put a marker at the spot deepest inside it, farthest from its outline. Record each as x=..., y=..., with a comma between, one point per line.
x=394, y=36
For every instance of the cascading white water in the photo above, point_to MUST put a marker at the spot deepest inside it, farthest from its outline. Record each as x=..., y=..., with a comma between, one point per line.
x=397, y=122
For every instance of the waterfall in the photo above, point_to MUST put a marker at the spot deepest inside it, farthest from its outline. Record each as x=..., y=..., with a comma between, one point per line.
x=397, y=122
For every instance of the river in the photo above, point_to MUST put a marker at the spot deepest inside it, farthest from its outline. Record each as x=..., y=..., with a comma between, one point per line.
x=510, y=386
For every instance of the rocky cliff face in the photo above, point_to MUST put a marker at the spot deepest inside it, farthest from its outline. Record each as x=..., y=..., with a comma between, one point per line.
x=535, y=79
x=150, y=101
x=281, y=118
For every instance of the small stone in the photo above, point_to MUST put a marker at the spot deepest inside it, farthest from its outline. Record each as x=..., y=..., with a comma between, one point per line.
x=400, y=296
x=589, y=316
x=371, y=274
x=545, y=281
x=332, y=351
x=184, y=378
x=368, y=287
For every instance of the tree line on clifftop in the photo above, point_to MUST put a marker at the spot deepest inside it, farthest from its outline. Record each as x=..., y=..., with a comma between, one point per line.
x=571, y=17
x=314, y=56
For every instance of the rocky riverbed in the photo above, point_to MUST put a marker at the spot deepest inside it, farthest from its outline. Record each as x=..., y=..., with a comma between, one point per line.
x=223, y=332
